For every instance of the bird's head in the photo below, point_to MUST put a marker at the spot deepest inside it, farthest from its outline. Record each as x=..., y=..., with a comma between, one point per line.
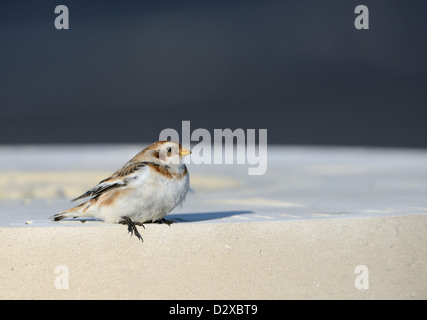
x=167, y=152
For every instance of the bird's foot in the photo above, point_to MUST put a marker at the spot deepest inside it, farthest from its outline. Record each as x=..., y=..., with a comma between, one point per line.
x=163, y=220
x=132, y=227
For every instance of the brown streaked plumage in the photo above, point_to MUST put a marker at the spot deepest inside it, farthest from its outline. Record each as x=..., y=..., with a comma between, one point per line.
x=165, y=172
x=107, y=199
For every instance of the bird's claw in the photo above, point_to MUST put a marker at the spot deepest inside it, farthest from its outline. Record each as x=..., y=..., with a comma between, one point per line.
x=132, y=227
x=163, y=220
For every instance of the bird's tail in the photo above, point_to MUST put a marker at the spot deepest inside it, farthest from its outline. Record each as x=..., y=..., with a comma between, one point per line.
x=72, y=213
x=60, y=216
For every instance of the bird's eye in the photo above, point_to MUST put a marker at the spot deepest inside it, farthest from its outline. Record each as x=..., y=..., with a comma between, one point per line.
x=169, y=150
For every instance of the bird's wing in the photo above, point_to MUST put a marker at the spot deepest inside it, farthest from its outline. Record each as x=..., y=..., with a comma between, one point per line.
x=120, y=178
x=128, y=169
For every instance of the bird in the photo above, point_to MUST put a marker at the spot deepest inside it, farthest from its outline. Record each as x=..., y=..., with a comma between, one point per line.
x=144, y=190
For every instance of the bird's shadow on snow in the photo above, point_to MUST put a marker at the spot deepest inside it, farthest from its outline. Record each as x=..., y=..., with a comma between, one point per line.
x=204, y=216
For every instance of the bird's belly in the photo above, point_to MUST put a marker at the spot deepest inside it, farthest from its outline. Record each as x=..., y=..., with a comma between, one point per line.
x=148, y=202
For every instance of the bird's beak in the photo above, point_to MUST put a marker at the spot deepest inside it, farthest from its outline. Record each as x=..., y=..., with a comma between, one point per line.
x=184, y=152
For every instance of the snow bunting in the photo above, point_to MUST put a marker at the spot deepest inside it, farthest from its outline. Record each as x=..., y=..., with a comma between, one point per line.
x=145, y=189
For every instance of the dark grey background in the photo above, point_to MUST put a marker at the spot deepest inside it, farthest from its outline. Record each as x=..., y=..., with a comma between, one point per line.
x=125, y=70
